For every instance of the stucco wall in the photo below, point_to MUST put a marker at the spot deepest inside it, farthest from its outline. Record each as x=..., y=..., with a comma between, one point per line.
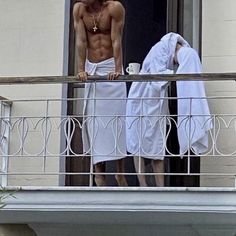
x=219, y=55
x=32, y=41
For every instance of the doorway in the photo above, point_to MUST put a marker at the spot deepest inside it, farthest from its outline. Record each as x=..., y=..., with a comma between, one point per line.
x=146, y=22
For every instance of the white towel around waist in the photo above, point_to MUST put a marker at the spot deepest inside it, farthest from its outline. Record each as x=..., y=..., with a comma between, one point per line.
x=104, y=115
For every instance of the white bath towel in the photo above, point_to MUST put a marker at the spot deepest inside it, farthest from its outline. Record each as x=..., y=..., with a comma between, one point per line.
x=194, y=119
x=145, y=133
x=192, y=133
x=146, y=110
x=104, y=115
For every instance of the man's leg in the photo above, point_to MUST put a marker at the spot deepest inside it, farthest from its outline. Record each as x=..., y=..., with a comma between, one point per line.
x=158, y=167
x=120, y=167
x=141, y=178
x=100, y=179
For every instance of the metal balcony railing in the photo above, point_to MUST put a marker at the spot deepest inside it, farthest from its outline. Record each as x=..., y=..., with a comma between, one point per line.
x=5, y=108
x=37, y=139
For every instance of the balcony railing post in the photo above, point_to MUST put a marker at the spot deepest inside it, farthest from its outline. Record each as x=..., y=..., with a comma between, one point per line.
x=5, y=109
x=45, y=141
x=190, y=136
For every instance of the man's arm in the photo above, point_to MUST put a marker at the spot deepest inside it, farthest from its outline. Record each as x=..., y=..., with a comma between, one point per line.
x=81, y=40
x=117, y=12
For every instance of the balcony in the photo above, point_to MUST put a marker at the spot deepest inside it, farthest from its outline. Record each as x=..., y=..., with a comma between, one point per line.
x=39, y=145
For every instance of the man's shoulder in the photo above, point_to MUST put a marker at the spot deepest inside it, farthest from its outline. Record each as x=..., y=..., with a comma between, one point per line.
x=115, y=4
x=78, y=10
x=115, y=7
x=78, y=6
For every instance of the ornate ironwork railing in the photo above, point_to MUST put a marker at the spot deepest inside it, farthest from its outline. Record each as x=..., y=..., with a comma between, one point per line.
x=41, y=132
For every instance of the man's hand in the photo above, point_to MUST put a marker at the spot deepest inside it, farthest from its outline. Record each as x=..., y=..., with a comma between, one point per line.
x=82, y=75
x=113, y=75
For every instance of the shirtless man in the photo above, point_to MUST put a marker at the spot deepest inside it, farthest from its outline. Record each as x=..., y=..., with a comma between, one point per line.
x=99, y=26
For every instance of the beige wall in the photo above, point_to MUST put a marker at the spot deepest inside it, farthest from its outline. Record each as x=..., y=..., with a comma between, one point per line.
x=219, y=55
x=31, y=37
x=31, y=44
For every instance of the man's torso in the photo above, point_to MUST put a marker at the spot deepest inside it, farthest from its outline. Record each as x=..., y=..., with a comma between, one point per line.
x=99, y=41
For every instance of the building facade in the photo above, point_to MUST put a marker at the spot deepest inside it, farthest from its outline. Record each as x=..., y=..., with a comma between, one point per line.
x=37, y=39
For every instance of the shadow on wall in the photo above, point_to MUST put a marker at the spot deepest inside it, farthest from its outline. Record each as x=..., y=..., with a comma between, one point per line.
x=16, y=230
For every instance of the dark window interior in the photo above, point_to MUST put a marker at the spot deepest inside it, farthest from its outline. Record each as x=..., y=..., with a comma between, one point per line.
x=145, y=25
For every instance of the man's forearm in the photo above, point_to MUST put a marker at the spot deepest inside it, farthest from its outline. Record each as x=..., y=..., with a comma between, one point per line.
x=117, y=53
x=81, y=57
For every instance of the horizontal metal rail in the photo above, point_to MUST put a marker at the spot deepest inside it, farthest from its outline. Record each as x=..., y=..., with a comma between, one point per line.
x=121, y=78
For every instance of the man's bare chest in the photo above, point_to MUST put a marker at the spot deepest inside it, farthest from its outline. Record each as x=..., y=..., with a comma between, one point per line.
x=97, y=22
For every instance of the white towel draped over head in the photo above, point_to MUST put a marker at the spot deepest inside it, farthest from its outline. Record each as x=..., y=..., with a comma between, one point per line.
x=145, y=111
x=170, y=41
x=144, y=134
x=194, y=119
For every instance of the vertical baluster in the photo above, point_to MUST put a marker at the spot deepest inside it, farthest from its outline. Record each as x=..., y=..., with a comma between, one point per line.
x=189, y=137
x=45, y=136
x=5, y=134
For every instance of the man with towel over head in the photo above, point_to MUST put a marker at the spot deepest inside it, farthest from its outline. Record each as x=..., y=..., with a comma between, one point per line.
x=99, y=27
x=147, y=117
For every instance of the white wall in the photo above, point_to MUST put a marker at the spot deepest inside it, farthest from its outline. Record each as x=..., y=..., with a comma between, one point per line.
x=219, y=55
x=31, y=37
x=31, y=44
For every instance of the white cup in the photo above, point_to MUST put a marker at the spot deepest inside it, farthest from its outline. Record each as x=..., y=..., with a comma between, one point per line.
x=133, y=68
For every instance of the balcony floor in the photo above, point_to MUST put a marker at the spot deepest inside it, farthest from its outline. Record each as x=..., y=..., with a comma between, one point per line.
x=111, y=205
x=166, y=211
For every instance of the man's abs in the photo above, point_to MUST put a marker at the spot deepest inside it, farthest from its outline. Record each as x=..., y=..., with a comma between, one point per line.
x=99, y=47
